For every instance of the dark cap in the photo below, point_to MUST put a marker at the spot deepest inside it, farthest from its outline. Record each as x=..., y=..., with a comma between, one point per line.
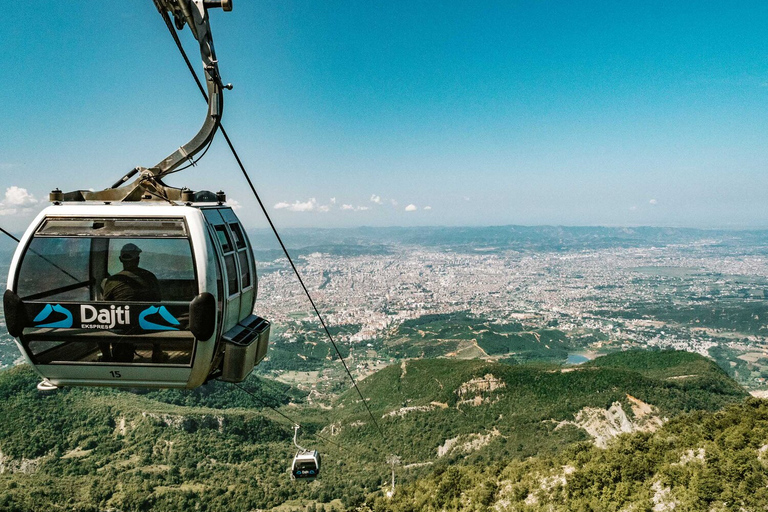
x=129, y=252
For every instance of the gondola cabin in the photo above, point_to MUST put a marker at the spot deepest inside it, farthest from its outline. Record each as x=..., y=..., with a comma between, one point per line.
x=136, y=295
x=306, y=465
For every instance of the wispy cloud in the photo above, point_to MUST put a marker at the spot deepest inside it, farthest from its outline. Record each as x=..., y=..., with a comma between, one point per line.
x=298, y=206
x=427, y=207
x=351, y=208
x=334, y=204
x=17, y=200
x=311, y=205
x=18, y=196
x=653, y=201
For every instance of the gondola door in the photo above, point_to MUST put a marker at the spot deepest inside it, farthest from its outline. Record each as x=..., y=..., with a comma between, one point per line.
x=226, y=249
x=246, y=267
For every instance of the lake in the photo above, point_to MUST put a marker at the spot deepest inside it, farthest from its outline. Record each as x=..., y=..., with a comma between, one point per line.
x=576, y=359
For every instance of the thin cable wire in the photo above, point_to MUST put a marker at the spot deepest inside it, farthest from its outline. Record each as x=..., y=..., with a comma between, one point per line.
x=10, y=235
x=293, y=422
x=41, y=256
x=192, y=162
x=157, y=195
x=171, y=29
x=271, y=224
x=262, y=402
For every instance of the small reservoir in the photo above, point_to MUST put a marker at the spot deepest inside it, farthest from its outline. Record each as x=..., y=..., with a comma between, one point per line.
x=576, y=359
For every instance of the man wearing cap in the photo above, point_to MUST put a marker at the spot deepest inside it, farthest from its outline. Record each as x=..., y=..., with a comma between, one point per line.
x=131, y=284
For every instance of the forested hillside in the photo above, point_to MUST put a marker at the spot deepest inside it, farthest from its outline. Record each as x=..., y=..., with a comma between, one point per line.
x=696, y=462
x=217, y=448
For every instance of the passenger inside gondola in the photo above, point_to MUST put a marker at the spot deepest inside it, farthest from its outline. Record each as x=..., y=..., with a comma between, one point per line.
x=133, y=283
x=91, y=268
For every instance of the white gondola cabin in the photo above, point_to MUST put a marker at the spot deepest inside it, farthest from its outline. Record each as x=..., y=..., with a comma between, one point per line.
x=190, y=322
x=141, y=284
x=306, y=465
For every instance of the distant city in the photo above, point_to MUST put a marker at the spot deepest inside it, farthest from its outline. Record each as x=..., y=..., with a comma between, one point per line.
x=551, y=293
x=699, y=291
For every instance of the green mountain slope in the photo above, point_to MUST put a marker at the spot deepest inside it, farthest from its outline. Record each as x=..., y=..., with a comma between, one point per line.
x=217, y=449
x=519, y=410
x=465, y=335
x=697, y=462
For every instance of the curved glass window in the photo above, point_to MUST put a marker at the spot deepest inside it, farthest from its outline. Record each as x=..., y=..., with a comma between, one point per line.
x=108, y=290
x=70, y=259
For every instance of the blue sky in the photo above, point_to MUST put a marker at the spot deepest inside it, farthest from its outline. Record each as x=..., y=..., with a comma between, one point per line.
x=406, y=113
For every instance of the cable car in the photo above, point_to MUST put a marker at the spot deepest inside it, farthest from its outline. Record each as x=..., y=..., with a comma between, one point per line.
x=141, y=284
x=306, y=465
x=190, y=322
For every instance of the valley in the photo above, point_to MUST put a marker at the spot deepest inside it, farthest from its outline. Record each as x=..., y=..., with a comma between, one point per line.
x=506, y=368
x=216, y=448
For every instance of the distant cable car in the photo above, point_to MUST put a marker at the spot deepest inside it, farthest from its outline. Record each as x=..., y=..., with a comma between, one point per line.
x=141, y=284
x=306, y=463
x=137, y=295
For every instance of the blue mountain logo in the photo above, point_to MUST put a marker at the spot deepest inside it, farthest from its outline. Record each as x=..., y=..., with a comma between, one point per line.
x=48, y=310
x=148, y=325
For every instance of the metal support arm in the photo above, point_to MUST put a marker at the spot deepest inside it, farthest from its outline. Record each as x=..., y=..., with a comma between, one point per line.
x=296, y=436
x=149, y=185
x=194, y=13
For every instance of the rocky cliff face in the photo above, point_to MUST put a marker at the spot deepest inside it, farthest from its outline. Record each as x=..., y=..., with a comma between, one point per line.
x=26, y=466
x=605, y=424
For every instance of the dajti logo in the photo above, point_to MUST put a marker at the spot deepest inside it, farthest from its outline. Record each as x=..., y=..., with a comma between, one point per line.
x=104, y=318
x=48, y=310
x=152, y=326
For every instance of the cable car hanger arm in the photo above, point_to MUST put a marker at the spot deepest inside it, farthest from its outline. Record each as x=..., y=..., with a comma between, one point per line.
x=194, y=13
x=149, y=185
